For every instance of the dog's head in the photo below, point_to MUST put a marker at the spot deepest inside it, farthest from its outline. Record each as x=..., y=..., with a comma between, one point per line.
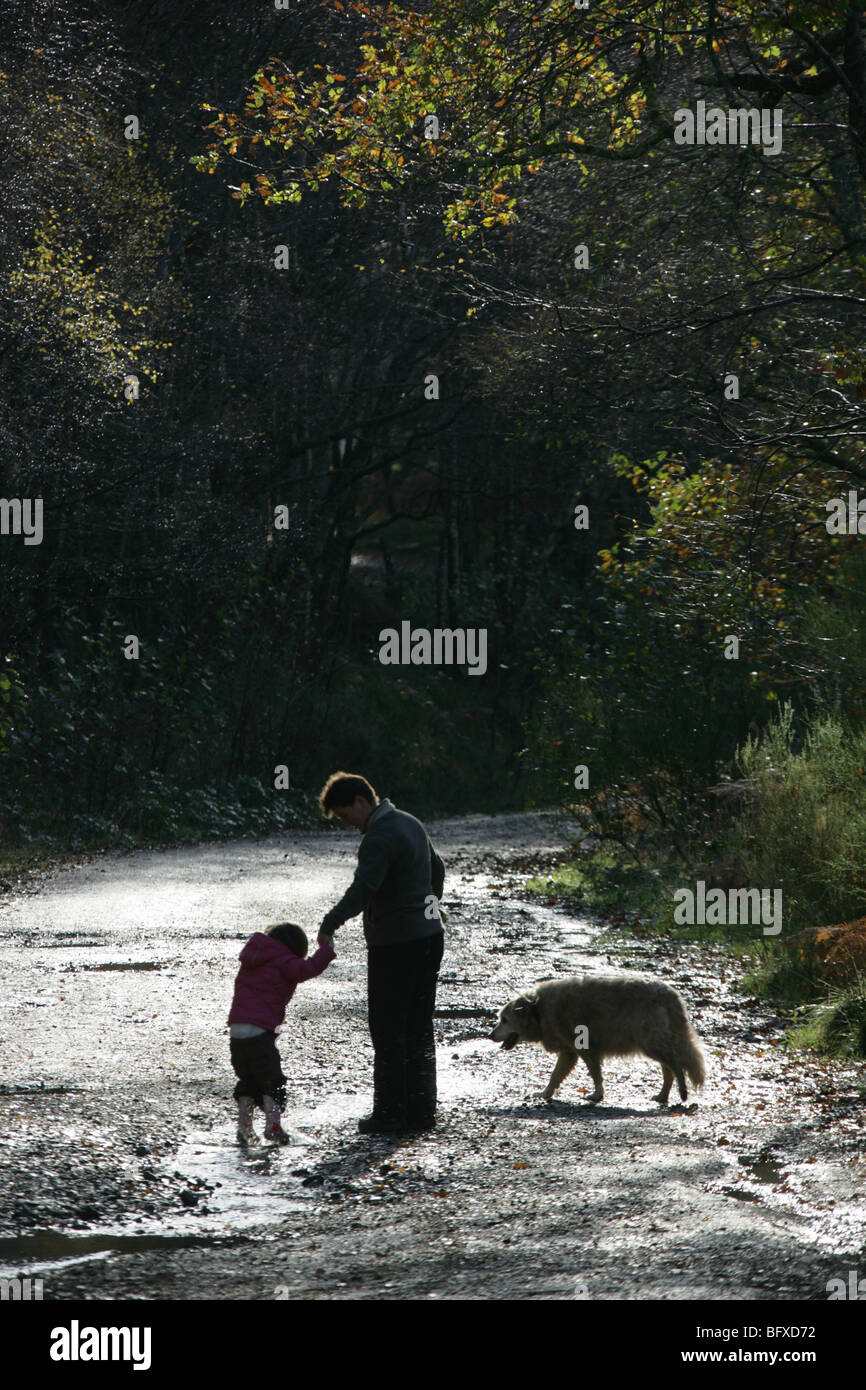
x=518, y=1022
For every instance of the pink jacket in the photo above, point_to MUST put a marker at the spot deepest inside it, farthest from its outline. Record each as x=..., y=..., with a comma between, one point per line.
x=267, y=978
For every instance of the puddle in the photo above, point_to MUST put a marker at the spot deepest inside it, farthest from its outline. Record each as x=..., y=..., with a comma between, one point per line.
x=125, y=965
x=53, y=1250
x=31, y=1089
x=63, y=940
x=464, y=1013
x=238, y=1191
x=765, y=1168
x=457, y=1077
x=243, y=1188
x=336, y=1108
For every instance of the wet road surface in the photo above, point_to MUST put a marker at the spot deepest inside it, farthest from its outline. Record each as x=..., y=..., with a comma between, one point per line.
x=120, y=1173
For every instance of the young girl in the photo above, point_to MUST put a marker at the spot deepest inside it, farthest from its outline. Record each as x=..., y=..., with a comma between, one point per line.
x=272, y=964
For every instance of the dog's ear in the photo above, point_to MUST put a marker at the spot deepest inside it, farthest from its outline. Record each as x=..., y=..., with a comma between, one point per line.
x=528, y=1006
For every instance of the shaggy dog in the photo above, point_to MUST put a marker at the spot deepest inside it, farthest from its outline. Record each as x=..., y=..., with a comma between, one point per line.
x=606, y=1016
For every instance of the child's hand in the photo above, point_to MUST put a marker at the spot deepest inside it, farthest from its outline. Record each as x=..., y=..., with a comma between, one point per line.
x=325, y=939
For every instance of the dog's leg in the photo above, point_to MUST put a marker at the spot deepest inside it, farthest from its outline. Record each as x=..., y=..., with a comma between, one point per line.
x=667, y=1082
x=565, y=1062
x=593, y=1062
x=681, y=1081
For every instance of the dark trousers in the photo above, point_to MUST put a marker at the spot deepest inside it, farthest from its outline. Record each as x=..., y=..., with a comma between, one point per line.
x=256, y=1064
x=401, y=997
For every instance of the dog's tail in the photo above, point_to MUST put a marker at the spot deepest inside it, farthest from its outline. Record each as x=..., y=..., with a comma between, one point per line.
x=693, y=1058
x=688, y=1045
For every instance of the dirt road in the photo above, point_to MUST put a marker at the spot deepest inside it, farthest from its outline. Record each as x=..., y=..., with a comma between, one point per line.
x=120, y=1173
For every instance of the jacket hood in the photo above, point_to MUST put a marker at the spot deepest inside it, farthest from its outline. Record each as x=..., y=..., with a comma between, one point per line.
x=262, y=949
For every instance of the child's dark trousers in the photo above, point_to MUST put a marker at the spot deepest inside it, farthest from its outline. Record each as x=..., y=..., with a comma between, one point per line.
x=256, y=1063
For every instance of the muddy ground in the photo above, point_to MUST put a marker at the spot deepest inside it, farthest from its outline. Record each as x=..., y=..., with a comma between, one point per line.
x=119, y=1172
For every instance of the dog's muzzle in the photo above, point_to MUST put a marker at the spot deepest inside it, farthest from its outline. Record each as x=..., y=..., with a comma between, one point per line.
x=511, y=1041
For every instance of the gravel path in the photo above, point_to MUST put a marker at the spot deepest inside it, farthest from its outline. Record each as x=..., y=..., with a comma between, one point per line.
x=120, y=1174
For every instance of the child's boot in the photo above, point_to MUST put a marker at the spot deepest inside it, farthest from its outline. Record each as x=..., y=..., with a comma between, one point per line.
x=246, y=1134
x=274, y=1132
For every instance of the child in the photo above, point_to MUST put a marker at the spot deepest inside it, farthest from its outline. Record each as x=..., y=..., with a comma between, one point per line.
x=272, y=964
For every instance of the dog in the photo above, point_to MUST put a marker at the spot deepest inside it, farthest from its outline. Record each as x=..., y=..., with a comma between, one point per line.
x=603, y=1016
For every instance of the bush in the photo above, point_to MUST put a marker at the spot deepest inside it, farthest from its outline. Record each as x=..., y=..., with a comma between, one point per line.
x=803, y=825
x=839, y=1025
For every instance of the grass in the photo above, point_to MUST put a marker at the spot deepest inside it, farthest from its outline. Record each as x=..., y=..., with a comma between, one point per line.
x=634, y=898
x=600, y=885
x=838, y=1026
x=20, y=860
x=784, y=980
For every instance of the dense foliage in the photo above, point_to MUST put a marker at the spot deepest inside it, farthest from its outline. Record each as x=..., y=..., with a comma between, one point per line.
x=565, y=379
